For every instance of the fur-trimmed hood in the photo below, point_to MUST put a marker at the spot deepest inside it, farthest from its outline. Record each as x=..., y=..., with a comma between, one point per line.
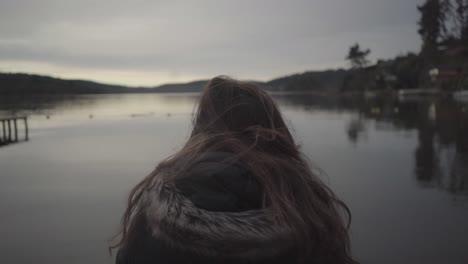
x=215, y=210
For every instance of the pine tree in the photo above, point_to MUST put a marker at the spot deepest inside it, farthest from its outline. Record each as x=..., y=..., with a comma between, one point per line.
x=462, y=19
x=432, y=24
x=455, y=16
x=358, y=57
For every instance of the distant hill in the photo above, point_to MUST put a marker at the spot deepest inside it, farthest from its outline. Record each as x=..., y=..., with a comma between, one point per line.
x=20, y=83
x=194, y=87
x=322, y=81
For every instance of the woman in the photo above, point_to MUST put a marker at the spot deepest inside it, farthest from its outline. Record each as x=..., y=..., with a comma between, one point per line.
x=239, y=191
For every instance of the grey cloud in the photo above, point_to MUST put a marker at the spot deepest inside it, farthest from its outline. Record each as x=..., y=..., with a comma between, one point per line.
x=244, y=38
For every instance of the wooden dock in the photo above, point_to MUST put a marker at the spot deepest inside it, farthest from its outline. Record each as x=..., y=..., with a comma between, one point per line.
x=419, y=92
x=9, y=130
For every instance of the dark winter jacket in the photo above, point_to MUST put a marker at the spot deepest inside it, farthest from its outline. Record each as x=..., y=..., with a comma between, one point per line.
x=214, y=214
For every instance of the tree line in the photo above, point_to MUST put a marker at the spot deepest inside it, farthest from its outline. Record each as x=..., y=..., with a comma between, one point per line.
x=443, y=22
x=442, y=26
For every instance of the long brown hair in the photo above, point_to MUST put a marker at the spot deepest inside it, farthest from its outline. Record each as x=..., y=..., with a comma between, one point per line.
x=241, y=118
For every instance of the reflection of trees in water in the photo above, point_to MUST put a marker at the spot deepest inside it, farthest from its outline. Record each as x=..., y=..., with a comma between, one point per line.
x=426, y=155
x=309, y=102
x=441, y=156
x=53, y=104
x=44, y=104
x=356, y=129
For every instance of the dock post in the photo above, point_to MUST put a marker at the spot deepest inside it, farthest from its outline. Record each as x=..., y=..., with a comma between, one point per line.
x=9, y=130
x=4, y=131
x=1, y=138
x=26, y=128
x=15, y=123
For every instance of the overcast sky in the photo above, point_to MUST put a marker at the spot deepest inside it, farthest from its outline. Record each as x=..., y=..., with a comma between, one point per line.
x=149, y=42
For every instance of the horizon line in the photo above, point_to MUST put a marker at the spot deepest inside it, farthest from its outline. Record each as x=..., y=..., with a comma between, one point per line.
x=163, y=84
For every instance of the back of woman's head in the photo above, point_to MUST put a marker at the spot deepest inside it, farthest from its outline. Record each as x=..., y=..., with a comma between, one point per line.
x=241, y=118
x=228, y=105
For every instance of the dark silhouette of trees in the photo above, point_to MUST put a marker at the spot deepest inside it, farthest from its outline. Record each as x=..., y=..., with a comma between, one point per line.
x=461, y=19
x=358, y=57
x=443, y=27
x=432, y=26
x=457, y=18
x=443, y=21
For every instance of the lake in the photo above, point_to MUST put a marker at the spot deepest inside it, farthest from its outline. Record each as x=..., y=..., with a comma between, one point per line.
x=401, y=165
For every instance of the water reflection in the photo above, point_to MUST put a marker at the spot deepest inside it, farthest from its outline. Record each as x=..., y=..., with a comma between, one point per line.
x=441, y=125
x=387, y=158
x=441, y=154
x=92, y=106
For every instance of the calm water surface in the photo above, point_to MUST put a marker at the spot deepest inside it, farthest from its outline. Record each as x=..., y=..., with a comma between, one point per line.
x=401, y=166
